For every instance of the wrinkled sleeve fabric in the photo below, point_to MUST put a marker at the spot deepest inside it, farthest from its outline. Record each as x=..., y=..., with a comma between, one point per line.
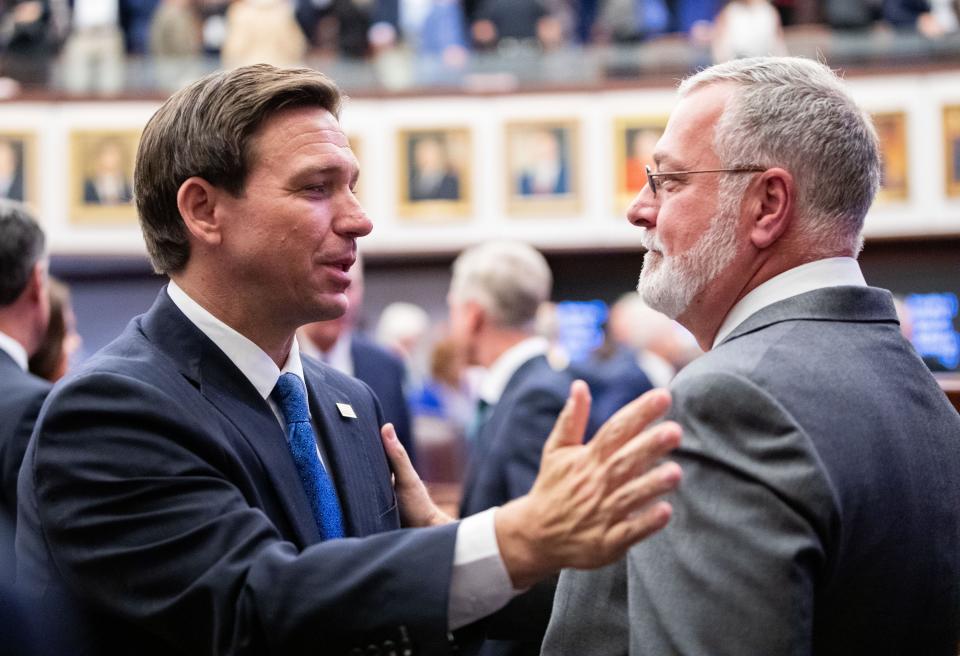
x=734, y=571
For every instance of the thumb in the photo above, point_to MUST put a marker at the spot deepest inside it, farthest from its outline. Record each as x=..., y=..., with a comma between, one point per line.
x=572, y=422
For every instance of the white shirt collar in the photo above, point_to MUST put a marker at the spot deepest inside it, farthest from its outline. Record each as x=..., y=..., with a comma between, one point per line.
x=831, y=272
x=250, y=359
x=503, y=368
x=14, y=349
x=338, y=357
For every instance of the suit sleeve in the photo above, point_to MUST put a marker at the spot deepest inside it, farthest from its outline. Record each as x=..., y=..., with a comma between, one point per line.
x=11, y=454
x=734, y=571
x=191, y=559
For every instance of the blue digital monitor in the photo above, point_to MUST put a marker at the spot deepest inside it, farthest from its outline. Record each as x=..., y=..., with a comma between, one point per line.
x=580, y=327
x=934, y=318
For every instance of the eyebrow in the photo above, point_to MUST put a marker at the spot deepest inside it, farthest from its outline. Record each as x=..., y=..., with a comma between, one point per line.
x=661, y=159
x=328, y=170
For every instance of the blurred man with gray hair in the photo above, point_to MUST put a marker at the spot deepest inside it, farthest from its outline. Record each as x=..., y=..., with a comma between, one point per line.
x=820, y=511
x=494, y=295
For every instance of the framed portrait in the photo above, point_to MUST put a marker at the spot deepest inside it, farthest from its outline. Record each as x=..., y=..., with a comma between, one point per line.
x=951, y=149
x=634, y=141
x=434, y=174
x=542, y=168
x=101, y=176
x=18, y=167
x=892, y=131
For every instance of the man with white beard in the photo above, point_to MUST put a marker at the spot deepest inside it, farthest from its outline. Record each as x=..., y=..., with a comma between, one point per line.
x=820, y=511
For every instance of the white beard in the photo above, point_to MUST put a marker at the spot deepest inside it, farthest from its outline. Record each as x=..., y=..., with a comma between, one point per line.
x=669, y=283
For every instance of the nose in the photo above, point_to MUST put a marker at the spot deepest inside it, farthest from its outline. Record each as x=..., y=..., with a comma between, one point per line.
x=643, y=209
x=353, y=220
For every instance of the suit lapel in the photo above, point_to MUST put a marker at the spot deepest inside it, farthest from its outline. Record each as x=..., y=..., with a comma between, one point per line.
x=225, y=386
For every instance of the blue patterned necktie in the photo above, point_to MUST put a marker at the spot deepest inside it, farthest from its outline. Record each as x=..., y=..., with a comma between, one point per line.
x=291, y=396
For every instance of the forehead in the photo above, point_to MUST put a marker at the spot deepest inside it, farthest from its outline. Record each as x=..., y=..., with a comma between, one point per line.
x=688, y=137
x=301, y=132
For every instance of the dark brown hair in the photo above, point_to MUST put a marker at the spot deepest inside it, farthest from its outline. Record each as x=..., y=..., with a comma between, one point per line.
x=207, y=130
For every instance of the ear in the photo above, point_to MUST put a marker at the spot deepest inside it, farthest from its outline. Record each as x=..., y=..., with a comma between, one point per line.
x=476, y=317
x=36, y=289
x=775, y=194
x=197, y=201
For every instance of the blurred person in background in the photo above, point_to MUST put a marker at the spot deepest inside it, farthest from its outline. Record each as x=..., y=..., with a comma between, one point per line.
x=175, y=30
x=52, y=358
x=531, y=22
x=337, y=27
x=31, y=32
x=819, y=512
x=337, y=343
x=24, y=315
x=93, y=55
x=660, y=345
x=630, y=21
x=135, y=19
x=262, y=32
x=747, y=28
x=494, y=296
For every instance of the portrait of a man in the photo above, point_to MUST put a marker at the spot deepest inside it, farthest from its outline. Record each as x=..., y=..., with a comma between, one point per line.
x=951, y=148
x=17, y=162
x=634, y=139
x=102, y=175
x=892, y=131
x=434, y=167
x=541, y=167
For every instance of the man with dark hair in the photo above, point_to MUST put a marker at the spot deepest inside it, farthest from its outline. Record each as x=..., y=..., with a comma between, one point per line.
x=24, y=313
x=196, y=488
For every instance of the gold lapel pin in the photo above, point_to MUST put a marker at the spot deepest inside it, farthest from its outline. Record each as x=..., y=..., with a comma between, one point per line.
x=346, y=410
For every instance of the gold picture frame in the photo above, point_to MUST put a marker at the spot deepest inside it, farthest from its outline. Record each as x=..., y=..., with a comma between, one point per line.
x=951, y=149
x=19, y=167
x=434, y=174
x=101, y=176
x=634, y=139
x=543, y=171
x=891, y=129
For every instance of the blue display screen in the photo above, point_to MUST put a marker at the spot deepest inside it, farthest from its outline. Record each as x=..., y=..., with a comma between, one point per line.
x=935, y=335
x=580, y=327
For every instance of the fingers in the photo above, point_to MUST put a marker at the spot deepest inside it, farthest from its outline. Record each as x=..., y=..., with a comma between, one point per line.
x=637, y=527
x=628, y=421
x=572, y=422
x=403, y=470
x=639, y=454
x=640, y=492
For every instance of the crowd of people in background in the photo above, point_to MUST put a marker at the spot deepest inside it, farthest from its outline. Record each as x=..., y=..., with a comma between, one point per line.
x=93, y=36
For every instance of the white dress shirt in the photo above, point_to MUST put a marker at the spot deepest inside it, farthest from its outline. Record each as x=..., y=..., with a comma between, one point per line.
x=14, y=349
x=479, y=583
x=831, y=272
x=503, y=368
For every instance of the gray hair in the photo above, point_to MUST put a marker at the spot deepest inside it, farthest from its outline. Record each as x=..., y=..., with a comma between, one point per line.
x=796, y=114
x=508, y=279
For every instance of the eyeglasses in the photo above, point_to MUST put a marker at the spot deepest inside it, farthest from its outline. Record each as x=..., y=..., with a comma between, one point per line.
x=652, y=177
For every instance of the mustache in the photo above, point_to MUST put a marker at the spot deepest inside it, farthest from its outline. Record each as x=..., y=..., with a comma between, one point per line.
x=650, y=242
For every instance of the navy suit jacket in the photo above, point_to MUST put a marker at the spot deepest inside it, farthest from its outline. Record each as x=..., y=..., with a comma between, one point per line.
x=614, y=382
x=21, y=395
x=159, y=495
x=385, y=374
x=503, y=466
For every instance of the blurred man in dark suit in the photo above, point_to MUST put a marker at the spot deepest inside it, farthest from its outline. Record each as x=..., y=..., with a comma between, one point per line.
x=820, y=511
x=198, y=488
x=337, y=344
x=24, y=313
x=494, y=295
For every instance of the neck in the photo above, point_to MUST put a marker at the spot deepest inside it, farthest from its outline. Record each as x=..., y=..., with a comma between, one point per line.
x=14, y=323
x=273, y=338
x=495, y=343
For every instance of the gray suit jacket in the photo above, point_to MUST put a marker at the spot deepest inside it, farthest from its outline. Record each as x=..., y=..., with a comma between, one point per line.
x=820, y=507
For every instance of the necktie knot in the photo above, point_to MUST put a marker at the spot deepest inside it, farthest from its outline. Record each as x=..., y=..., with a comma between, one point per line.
x=291, y=396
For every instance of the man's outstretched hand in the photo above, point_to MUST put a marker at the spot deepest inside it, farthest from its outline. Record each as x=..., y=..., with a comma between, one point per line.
x=590, y=502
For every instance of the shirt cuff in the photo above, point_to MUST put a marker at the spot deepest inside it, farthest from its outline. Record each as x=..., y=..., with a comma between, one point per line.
x=479, y=583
